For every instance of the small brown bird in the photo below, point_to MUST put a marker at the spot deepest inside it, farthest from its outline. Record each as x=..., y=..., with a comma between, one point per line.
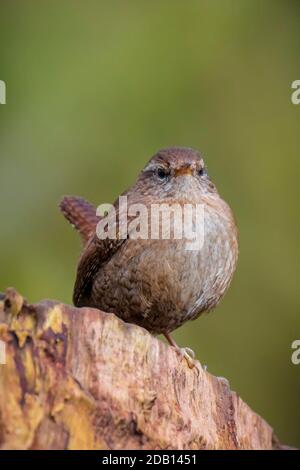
x=157, y=283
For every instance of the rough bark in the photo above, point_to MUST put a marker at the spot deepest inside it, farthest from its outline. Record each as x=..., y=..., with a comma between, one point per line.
x=83, y=379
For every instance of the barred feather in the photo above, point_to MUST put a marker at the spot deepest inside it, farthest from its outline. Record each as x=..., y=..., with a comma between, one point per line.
x=81, y=215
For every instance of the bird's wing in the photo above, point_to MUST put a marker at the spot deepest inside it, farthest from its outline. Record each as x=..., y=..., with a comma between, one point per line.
x=96, y=253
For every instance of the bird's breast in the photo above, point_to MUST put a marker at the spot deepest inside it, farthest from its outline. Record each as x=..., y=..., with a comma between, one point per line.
x=161, y=283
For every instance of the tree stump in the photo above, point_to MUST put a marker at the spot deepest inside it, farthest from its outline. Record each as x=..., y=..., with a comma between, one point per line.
x=79, y=378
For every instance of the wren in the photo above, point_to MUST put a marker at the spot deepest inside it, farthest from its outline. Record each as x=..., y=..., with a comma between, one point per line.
x=158, y=283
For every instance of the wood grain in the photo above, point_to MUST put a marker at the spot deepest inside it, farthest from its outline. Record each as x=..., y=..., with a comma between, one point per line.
x=79, y=378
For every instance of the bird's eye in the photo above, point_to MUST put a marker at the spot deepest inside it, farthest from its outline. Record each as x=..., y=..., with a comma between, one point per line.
x=202, y=171
x=162, y=174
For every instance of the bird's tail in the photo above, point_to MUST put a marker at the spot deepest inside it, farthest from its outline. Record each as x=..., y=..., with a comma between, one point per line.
x=81, y=215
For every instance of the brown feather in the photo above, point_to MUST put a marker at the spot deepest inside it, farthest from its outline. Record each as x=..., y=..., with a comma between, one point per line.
x=81, y=215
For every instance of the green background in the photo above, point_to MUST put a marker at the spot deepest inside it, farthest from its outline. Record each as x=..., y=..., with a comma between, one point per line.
x=94, y=88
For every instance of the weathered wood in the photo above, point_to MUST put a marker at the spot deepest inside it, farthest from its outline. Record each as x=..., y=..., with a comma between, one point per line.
x=83, y=379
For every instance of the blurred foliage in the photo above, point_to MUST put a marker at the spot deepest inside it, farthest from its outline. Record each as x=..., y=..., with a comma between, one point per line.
x=95, y=88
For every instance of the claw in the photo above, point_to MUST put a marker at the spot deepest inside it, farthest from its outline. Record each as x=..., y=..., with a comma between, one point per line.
x=189, y=357
x=186, y=353
x=189, y=352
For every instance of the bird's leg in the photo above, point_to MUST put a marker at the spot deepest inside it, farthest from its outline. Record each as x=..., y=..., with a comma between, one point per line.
x=187, y=353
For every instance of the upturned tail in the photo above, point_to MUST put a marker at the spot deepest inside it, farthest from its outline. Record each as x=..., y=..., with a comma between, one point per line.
x=81, y=215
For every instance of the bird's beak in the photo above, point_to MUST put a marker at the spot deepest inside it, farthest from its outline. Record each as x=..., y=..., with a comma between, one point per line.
x=182, y=171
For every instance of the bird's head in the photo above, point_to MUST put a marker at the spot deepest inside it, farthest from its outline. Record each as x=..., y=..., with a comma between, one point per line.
x=175, y=172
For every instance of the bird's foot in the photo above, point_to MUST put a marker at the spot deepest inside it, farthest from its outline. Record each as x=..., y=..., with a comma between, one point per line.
x=189, y=355
x=185, y=353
